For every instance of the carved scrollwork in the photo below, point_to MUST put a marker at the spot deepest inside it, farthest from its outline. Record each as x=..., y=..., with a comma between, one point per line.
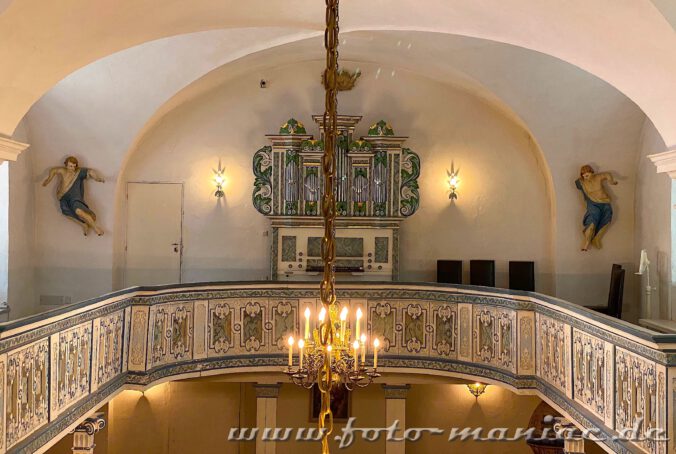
x=262, y=169
x=410, y=171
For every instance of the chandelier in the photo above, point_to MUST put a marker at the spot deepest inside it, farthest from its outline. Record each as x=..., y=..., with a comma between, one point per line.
x=346, y=355
x=330, y=356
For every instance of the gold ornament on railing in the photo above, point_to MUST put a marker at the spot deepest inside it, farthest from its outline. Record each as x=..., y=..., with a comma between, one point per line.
x=330, y=356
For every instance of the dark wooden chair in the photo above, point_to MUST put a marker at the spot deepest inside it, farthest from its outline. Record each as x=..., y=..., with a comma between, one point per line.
x=615, y=293
x=522, y=276
x=449, y=271
x=482, y=272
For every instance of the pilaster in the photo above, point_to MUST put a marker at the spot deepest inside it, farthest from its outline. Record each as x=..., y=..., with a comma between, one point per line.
x=266, y=415
x=395, y=410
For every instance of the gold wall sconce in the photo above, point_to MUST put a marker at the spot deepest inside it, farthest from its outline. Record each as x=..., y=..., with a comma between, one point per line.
x=219, y=179
x=477, y=389
x=453, y=183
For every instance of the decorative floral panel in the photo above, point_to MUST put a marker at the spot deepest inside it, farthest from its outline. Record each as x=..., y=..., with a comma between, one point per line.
x=170, y=333
x=445, y=329
x=415, y=327
x=107, y=348
x=592, y=369
x=252, y=336
x=494, y=337
x=201, y=327
x=553, y=353
x=640, y=385
x=526, y=337
x=284, y=322
x=70, y=359
x=465, y=332
x=27, y=406
x=220, y=327
x=138, y=340
x=382, y=320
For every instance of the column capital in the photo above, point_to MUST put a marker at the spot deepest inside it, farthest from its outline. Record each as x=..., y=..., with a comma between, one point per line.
x=10, y=149
x=396, y=391
x=267, y=390
x=665, y=162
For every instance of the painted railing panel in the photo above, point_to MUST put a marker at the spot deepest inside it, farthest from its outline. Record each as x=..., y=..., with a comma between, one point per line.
x=603, y=373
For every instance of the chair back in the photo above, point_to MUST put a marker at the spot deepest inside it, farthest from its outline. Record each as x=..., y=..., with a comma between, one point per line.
x=449, y=271
x=522, y=276
x=482, y=272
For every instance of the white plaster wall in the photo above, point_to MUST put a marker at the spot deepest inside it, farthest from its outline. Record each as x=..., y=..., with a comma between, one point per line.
x=21, y=291
x=503, y=211
x=653, y=225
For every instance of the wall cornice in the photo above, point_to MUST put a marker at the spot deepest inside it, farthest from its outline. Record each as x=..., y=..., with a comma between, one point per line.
x=10, y=149
x=665, y=161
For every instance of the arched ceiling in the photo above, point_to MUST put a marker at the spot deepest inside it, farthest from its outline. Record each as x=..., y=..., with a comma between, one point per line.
x=629, y=44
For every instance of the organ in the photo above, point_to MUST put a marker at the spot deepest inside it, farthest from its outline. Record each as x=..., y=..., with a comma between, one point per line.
x=376, y=189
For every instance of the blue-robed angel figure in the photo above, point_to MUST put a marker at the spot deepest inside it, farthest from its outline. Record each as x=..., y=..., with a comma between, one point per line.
x=70, y=193
x=599, y=212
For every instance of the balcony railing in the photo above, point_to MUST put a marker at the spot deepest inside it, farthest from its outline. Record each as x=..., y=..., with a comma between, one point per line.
x=603, y=373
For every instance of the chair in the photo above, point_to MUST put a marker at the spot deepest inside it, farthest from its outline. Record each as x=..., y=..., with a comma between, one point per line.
x=449, y=271
x=615, y=293
x=522, y=276
x=482, y=272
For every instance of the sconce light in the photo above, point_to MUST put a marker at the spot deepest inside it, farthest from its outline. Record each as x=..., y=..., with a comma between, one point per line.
x=219, y=179
x=453, y=183
x=477, y=389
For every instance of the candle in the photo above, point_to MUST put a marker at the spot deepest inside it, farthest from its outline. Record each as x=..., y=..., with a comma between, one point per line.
x=322, y=315
x=376, y=343
x=363, y=346
x=343, y=317
x=290, y=351
x=301, y=344
x=356, y=334
x=307, y=322
x=328, y=352
x=356, y=359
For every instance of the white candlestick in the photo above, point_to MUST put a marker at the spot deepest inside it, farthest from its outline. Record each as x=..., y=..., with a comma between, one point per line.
x=356, y=358
x=343, y=317
x=328, y=352
x=363, y=348
x=301, y=344
x=307, y=323
x=290, y=351
x=359, y=314
x=376, y=343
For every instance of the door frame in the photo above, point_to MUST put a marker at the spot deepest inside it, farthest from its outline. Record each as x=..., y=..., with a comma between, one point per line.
x=126, y=226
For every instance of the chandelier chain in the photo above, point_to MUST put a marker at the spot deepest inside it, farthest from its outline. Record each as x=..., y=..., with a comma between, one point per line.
x=328, y=284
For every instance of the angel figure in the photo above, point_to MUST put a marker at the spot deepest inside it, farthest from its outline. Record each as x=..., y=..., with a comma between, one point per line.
x=599, y=211
x=70, y=192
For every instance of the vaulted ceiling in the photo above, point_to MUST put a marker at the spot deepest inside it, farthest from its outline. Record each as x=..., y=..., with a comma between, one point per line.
x=629, y=44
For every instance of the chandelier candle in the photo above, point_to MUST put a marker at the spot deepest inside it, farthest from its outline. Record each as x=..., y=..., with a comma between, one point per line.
x=363, y=348
x=307, y=323
x=376, y=343
x=290, y=351
x=343, y=317
x=359, y=314
x=356, y=349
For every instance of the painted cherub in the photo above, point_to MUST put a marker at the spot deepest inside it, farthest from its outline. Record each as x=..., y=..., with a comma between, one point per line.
x=599, y=211
x=70, y=192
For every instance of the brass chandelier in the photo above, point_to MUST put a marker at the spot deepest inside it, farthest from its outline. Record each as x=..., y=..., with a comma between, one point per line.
x=330, y=356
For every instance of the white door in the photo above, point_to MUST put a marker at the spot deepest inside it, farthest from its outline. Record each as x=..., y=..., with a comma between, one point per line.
x=154, y=239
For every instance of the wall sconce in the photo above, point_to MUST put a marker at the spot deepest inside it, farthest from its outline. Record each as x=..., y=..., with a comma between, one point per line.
x=453, y=183
x=477, y=389
x=219, y=179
